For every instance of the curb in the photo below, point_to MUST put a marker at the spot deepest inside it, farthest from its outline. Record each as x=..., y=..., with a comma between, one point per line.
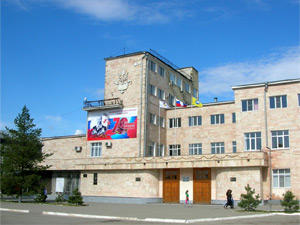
x=15, y=210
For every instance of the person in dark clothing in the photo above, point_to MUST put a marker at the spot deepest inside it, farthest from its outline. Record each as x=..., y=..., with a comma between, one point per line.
x=229, y=199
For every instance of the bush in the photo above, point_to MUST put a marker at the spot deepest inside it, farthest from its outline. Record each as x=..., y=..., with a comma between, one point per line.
x=41, y=197
x=76, y=198
x=289, y=203
x=60, y=198
x=248, y=201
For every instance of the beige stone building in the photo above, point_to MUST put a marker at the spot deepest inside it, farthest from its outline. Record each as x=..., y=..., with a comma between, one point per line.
x=137, y=151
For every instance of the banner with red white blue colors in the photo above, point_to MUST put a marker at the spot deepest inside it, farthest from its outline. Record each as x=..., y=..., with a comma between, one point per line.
x=112, y=124
x=180, y=103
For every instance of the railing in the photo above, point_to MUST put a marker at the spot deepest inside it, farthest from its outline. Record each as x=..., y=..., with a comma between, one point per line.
x=113, y=102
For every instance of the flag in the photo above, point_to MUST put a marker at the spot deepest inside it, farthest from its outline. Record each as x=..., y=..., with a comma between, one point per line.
x=180, y=103
x=164, y=105
x=197, y=103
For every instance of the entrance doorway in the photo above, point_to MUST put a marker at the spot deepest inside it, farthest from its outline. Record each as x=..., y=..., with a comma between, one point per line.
x=202, y=185
x=171, y=178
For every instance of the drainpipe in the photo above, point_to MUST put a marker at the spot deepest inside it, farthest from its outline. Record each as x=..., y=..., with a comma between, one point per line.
x=141, y=105
x=146, y=107
x=267, y=143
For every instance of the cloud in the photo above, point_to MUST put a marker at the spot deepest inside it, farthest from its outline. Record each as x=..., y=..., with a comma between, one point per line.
x=53, y=118
x=279, y=65
x=78, y=132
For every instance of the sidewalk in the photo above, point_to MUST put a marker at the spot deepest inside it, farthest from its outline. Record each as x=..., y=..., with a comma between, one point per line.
x=161, y=211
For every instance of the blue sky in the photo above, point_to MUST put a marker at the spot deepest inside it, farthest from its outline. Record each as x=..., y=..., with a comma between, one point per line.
x=52, y=51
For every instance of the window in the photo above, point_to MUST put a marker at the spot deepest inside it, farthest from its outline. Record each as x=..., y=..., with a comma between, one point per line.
x=233, y=118
x=195, y=93
x=280, y=139
x=234, y=146
x=95, y=180
x=252, y=141
x=174, y=122
x=161, y=94
x=96, y=149
x=217, y=119
x=161, y=122
x=160, y=150
x=152, y=66
x=187, y=87
x=153, y=119
x=217, y=148
x=151, y=149
x=172, y=78
x=249, y=105
x=171, y=100
x=299, y=99
x=195, y=149
x=195, y=121
x=178, y=82
x=161, y=71
x=174, y=150
x=278, y=102
x=281, y=178
x=152, y=90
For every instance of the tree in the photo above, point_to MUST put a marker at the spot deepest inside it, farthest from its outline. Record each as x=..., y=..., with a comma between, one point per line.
x=22, y=156
x=248, y=201
x=289, y=203
x=76, y=198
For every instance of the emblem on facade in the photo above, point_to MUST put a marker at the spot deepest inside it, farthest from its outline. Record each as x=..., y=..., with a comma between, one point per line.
x=123, y=82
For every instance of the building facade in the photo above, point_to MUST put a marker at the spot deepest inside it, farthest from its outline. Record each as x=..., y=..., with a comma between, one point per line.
x=137, y=150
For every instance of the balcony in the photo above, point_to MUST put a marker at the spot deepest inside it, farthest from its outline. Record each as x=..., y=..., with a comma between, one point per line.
x=113, y=103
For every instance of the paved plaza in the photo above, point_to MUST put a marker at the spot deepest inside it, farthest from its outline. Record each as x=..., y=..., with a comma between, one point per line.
x=100, y=213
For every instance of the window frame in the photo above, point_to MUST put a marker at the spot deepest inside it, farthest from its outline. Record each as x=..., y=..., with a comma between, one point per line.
x=250, y=104
x=195, y=149
x=175, y=122
x=95, y=178
x=284, y=137
x=233, y=117
x=152, y=66
x=161, y=71
x=219, y=146
x=153, y=119
x=234, y=147
x=153, y=91
x=281, y=176
x=187, y=87
x=254, y=139
x=278, y=101
x=161, y=94
x=95, y=149
x=174, y=148
x=217, y=119
x=195, y=121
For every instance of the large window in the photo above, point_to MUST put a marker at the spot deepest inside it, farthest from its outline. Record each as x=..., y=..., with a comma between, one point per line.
x=151, y=149
x=281, y=178
x=152, y=90
x=278, y=102
x=152, y=66
x=187, y=87
x=195, y=121
x=96, y=148
x=171, y=100
x=249, y=105
x=160, y=150
x=178, y=82
x=174, y=122
x=161, y=71
x=252, y=141
x=217, y=119
x=161, y=94
x=153, y=119
x=217, y=148
x=174, y=150
x=195, y=149
x=161, y=122
x=172, y=78
x=280, y=139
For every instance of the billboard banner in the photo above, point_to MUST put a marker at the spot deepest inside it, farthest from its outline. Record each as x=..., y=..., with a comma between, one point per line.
x=112, y=124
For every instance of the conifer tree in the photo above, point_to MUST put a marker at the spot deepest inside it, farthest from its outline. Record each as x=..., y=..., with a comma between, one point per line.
x=248, y=201
x=21, y=157
x=289, y=203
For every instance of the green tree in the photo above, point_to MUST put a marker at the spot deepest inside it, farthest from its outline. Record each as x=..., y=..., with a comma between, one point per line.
x=248, y=201
x=22, y=156
x=289, y=203
x=76, y=198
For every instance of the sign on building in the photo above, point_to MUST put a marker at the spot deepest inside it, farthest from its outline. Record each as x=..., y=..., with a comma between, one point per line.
x=112, y=124
x=60, y=182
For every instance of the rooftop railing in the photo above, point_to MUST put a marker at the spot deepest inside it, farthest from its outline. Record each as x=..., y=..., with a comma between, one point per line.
x=105, y=103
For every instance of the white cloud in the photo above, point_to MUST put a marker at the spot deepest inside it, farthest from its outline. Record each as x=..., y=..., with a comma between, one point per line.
x=280, y=65
x=77, y=132
x=53, y=118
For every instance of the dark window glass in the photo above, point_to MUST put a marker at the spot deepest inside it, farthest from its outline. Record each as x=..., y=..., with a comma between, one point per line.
x=212, y=119
x=233, y=118
x=284, y=103
x=95, y=178
x=272, y=103
x=222, y=118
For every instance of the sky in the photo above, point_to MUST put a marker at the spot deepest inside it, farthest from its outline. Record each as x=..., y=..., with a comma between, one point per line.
x=52, y=51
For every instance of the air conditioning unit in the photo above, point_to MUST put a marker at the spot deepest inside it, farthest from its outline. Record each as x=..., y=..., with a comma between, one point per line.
x=78, y=148
x=108, y=144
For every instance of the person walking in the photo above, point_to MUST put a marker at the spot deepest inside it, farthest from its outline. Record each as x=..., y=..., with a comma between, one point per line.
x=229, y=199
x=187, y=198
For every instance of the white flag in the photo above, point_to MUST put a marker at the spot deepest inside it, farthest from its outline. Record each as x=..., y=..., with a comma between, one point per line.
x=164, y=105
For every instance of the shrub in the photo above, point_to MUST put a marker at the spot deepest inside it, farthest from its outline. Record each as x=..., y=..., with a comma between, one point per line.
x=76, y=198
x=289, y=203
x=60, y=198
x=248, y=201
x=41, y=197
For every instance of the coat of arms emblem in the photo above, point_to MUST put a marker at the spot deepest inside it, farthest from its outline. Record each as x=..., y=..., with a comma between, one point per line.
x=123, y=82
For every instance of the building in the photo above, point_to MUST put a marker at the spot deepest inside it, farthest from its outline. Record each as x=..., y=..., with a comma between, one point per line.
x=136, y=151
